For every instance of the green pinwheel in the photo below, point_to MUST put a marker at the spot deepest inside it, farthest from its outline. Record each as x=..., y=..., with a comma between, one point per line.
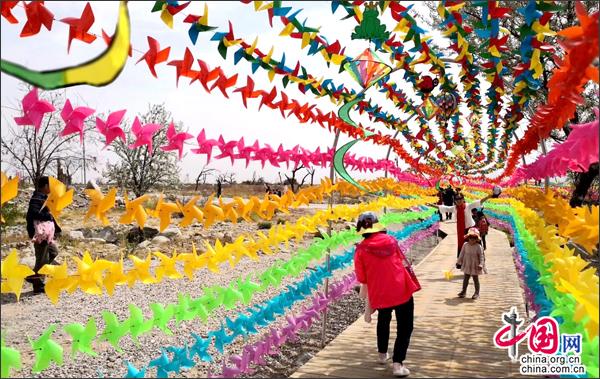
x=82, y=337
x=46, y=351
x=114, y=330
x=10, y=359
x=162, y=316
x=137, y=324
x=247, y=288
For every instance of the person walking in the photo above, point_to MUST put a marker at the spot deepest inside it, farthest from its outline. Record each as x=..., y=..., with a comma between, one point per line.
x=472, y=261
x=483, y=226
x=448, y=200
x=43, y=230
x=382, y=267
x=464, y=218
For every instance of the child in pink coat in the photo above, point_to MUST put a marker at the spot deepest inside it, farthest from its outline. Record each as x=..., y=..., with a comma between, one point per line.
x=472, y=261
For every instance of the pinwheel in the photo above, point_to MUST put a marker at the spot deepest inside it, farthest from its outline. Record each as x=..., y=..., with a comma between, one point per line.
x=114, y=330
x=82, y=337
x=10, y=358
x=242, y=362
x=74, y=119
x=192, y=262
x=190, y=212
x=133, y=372
x=58, y=280
x=167, y=267
x=211, y=212
x=205, y=145
x=37, y=15
x=115, y=276
x=137, y=324
x=33, y=109
x=140, y=271
x=111, y=128
x=163, y=211
x=184, y=66
x=168, y=9
x=143, y=134
x=134, y=209
x=221, y=338
x=7, y=7
x=161, y=363
x=89, y=274
x=59, y=198
x=14, y=274
x=46, y=351
x=100, y=204
x=79, y=27
x=154, y=55
x=199, y=24
x=197, y=306
x=200, y=348
x=181, y=359
x=182, y=310
x=176, y=140
x=162, y=316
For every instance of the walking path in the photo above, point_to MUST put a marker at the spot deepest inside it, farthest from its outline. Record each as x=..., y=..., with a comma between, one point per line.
x=452, y=337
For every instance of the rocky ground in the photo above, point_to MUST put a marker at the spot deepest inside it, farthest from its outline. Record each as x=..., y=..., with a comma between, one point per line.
x=32, y=314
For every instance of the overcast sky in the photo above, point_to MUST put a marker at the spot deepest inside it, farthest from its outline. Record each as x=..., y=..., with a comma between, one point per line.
x=135, y=88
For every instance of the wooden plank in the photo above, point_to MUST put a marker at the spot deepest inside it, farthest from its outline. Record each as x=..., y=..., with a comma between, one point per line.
x=452, y=337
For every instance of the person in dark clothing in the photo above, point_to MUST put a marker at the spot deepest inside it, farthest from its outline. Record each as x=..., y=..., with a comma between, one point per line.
x=42, y=229
x=448, y=198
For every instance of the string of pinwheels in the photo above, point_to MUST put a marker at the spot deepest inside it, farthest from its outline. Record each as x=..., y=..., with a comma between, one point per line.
x=84, y=335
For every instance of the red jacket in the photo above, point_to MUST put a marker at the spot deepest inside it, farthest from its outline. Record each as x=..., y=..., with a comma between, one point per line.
x=378, y=262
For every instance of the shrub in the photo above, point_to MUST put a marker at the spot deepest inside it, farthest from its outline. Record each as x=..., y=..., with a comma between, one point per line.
x=12, y=214
x=264, y=225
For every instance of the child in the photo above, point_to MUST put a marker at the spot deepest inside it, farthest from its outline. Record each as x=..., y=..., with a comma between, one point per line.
x=363, y=294
x=471, y=261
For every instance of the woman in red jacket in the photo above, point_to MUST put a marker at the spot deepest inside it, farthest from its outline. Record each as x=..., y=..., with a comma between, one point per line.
x=379, y=263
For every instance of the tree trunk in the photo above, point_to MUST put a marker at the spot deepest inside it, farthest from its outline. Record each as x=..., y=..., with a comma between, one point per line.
x=582, y=185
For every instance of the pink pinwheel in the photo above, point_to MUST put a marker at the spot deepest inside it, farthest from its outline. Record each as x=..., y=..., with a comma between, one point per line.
x=242, y=362
x=245, y=152
x=284, y=155
x=143, y=134
x=266, y=154
x=176, y=140
x=205, y=146
x=111, y=128
x=227, y=149
x=230, y=372
x=74, y=118
x=33, y=110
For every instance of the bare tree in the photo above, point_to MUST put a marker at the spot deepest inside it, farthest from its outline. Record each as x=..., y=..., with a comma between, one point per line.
x=292, y=181
x=227, y=178
x=203, y=176
x=140, y=169
x=36, y=152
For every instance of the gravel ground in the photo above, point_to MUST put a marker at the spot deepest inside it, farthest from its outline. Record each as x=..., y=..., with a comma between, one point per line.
x=31, y=316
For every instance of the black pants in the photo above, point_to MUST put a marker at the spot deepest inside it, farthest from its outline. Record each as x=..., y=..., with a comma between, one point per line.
x=466, y=283
x=483, y=241
x=404, y=327
x=448, y=215
x=44, y=254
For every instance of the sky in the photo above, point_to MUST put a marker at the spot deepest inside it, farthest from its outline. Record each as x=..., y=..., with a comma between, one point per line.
x=190, y=105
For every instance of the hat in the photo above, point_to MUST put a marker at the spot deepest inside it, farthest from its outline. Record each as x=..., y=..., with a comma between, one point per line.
x=473, y=232
x=368, y=223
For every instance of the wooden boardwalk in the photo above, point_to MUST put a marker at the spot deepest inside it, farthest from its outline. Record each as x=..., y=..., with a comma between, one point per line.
x=452, y=337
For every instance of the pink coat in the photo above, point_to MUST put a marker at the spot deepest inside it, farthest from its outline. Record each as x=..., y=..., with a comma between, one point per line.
x=378, y=262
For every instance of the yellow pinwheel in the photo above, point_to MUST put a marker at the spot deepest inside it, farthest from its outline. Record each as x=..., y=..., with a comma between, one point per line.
x=229, y=212
x=89, y=273
x=167, y=267
x=140, y=271
x=9, y=190
x=13, y=274
x=59, y=198
x=115, y=276
x=239, y=249
x=191, y=262
x=59, y=280
x=190, y=212
x=212, y=212
x=242, y=208
x=134, y=209
x=163, y=212
x=100, y=204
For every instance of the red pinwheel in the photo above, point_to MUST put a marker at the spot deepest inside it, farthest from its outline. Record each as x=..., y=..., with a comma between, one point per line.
x=205, y=75
x=184, y=66
x=176, y=140
x=74, y=119
x=248, y=91
x=154, y=55
x=224, y=82
x=7, y=7
x=33, y=110
x=78, y=27
x=37, y=15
